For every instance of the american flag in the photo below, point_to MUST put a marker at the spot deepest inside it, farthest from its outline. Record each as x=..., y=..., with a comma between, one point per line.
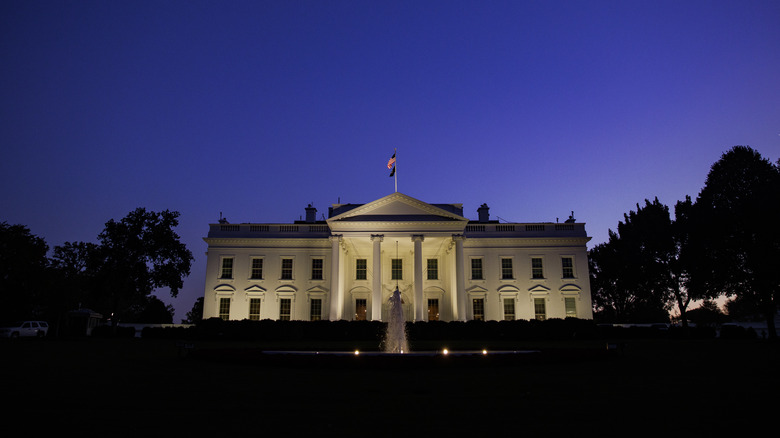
x=391, y=162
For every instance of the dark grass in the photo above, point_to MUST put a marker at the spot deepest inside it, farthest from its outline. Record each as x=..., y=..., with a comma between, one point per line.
x=140, y=387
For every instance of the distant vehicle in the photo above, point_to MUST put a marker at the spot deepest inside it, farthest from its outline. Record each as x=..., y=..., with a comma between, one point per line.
x=23, y=329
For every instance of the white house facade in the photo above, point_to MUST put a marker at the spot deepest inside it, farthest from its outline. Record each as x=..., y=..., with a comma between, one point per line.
x=446, y=267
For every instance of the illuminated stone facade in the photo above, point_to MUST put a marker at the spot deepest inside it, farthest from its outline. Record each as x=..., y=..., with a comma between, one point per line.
x=446, y=267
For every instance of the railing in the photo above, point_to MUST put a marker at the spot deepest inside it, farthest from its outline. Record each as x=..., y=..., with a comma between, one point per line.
x=527, y=230
x=249, y=230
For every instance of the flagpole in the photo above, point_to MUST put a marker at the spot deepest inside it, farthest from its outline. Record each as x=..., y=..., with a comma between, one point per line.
x=395, y=174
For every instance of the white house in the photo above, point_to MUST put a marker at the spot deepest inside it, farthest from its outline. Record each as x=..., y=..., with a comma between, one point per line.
x=446, y=267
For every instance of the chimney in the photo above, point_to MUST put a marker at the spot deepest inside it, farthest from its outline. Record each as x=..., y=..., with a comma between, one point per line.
x=311, y=214
x=483, y=213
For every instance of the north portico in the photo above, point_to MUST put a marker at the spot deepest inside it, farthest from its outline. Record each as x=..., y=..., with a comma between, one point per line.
x=446, y=266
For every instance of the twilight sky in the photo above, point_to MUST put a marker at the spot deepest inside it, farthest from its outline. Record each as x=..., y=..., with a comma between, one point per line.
x=255, y=109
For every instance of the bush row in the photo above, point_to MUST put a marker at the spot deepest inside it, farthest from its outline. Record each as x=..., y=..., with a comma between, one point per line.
x=552, y=329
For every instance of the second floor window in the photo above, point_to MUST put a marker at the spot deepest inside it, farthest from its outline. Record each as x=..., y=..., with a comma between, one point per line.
x=568, y=267
x=361, y=269
x=506, y=269
x=257, y=269
x=536, y=268
x=396, y=269
x=476, y=269
x=433, y=269
x=227, y=268
x=287, y=269
x=316, y=269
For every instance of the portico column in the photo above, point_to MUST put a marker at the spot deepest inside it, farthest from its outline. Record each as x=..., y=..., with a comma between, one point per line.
x=376, y=292
x=460, y=277
x=419, y=307
x=335, y=288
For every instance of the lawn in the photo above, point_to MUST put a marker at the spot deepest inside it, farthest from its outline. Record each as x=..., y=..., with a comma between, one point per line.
x=135, y=387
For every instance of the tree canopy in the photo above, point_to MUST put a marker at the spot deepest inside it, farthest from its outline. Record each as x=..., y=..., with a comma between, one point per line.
x=137, y=255
x=631, y=277
x=727, y=242
x=734, y=231
x=23, y=266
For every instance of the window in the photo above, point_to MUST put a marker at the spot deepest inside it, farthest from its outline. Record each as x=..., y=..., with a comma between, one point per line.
x=227, y=268
x=509, y=309
x=568, y=267
x=360, y=269
x=287, y=269
x=257, y=269
x=254, y=309
x=478, y=306
x=285, y=306
x=536, y=268
x=224, y=308
x=571, y=307
x=396, y=269
x=316, y=269
x=433, y=309
x=360, y=309
x=506, y=269
x=433, y=269
x=476, y=269
x=315, y=309
x=540, y=311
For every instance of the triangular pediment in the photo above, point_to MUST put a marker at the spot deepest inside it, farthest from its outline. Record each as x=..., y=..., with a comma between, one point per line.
x=397, y=207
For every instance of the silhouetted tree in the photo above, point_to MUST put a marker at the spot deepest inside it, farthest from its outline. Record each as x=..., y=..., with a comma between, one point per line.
x=631, y=274
x=153, y=311
x=708, y=314
x=195, y=315
x=137, y=255
x=685, y=258
x=73, y=267
x=23, y=266
x=735, y=233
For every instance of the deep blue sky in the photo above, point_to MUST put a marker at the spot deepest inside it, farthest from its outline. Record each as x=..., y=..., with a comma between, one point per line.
x=255, y=109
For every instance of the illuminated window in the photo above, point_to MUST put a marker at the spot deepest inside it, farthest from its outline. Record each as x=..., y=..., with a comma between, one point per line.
x=227, y=268
x=224, y=308
x=571, y=307
x=478, y=306
x=433, y=269
x=568, y=267
x=509, y=309
x=285, y=306
x=433, y=309
x=360, y=309
x=536, y=268
x=257, y=269
x=506, y=269
x=254, y=309
x=287, y=269
x=476, y=269
x=397, y=269
x=540, y=310
x=316, y=269
x=315, y=309
x=360, y=269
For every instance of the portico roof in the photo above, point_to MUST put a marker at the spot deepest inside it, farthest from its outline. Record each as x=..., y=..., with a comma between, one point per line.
x=398, y=211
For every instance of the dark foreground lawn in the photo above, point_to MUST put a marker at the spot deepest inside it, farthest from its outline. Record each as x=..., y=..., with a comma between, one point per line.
x=138, y=387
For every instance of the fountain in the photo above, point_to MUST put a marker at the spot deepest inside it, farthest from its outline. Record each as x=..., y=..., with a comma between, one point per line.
x=395, y=340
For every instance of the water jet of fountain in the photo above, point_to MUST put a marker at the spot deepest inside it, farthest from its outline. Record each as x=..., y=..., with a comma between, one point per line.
x=395, y=336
